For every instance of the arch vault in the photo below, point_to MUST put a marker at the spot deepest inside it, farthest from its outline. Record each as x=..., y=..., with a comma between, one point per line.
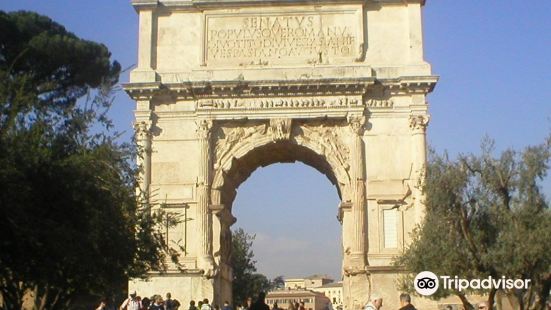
x=224, y=87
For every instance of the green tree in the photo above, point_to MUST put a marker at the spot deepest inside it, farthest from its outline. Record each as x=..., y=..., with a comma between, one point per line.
x=278, y=283
x=486, y=216
x=246, y=281
x=70, y=219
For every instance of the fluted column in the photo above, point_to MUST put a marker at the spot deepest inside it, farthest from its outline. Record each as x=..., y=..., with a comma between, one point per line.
x=418, y=125
x=206, y=261
x=143, y=139
x=358, y=248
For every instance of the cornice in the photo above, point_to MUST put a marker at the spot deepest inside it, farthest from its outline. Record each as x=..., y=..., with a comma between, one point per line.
x=217, y=4
x=275, y=88
x=250, y=89
x=409, y=84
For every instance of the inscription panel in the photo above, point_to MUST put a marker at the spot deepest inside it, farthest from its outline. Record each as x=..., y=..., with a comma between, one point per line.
x=320, y=37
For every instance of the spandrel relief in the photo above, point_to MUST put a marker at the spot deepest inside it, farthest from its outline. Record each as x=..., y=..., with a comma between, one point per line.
x=328, y=139
x=229, y=137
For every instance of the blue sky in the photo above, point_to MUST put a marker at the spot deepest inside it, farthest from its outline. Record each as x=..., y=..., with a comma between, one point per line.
x=494, y=63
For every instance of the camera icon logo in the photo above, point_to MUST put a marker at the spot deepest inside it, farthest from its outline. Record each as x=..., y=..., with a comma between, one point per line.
x=426, y=283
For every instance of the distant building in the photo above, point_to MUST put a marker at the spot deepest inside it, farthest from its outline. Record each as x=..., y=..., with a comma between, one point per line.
x=308, y=282
x=317, y=283
x=312, y=300
x=333, y=291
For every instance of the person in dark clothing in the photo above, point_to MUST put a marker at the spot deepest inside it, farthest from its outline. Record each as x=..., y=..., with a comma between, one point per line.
x=146, y=302
x=405, y=302
x=226, y=306
x=260, y=303
x=158, y=304
x=192, y=305
x=248, y=303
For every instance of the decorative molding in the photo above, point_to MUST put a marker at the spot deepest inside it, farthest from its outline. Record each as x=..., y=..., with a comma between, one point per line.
x=419, y=123
x=379, y=103
x=408, y=85
x=199, y=5
x=197, y=90
x=280, y=129
x=278, y=103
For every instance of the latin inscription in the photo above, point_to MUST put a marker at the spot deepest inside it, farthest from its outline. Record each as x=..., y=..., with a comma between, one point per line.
x=264, y=39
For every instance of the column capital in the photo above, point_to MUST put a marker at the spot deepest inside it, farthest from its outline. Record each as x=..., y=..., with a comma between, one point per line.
x=143, y=129
x=357, y=123
x=419, y=123
x=204, y=127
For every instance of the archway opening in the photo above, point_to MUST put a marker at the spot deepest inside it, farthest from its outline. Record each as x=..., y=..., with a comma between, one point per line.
x=292, y=210
x=291, y=204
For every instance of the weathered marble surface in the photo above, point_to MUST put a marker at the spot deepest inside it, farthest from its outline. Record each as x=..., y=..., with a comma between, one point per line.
x=223, y=87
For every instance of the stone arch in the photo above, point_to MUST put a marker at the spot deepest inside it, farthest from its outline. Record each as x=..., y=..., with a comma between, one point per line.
x=239, y=151
x=262, y=150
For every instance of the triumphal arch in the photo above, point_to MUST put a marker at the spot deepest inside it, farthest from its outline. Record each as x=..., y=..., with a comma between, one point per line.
x=223, y=87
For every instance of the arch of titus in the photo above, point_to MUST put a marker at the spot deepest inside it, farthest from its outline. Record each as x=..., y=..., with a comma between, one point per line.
x=223, y=87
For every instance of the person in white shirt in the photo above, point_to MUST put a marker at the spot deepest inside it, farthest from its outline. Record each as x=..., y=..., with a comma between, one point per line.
x=205, y=305
x=131, y=303
x=375, y=304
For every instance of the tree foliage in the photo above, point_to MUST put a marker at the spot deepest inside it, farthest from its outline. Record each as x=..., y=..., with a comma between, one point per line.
x=246, y=281
x=70, y=221
x=487, y=216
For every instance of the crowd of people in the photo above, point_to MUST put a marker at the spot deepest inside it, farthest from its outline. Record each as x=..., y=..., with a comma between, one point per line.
x=156, y=302
x=376, y=302
x=135, y=302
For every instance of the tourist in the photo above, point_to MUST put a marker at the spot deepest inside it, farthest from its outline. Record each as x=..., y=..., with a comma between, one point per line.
x=192, y=305
x=275, y=307
x=146, y=302
x=297, y=305
x=216, y=307
x=291, y=306
x=206, y=305
x=226, y=306
x=375, y=304
x=483, y=305
x=248, y=303
x=158, y=304
x=171, y=304
x=301, y=306
x=405, y=302
x=199, y=304
x=260, y=303
x=131, y=303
